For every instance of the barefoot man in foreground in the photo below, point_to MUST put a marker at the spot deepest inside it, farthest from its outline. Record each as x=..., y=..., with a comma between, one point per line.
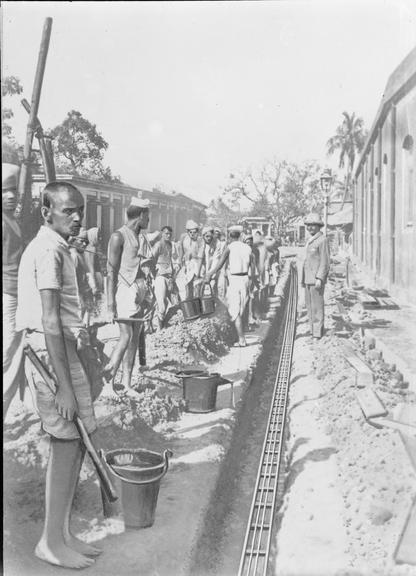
x=48, y=309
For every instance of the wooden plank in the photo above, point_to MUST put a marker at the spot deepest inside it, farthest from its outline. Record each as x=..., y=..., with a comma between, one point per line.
x=354, y=360
x=365, y=298
x=364, y=379
x=370, y=403
x=405, y=429
x=405, y=552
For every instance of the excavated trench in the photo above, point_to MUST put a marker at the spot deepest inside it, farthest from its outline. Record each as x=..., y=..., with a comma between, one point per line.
x=218, y=545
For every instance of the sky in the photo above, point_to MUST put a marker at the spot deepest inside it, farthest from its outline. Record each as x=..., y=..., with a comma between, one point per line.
x=186, y=93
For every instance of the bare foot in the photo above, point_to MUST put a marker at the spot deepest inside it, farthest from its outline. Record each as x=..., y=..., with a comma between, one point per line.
x=80, y=546
x=108, y=372
x=62, y=555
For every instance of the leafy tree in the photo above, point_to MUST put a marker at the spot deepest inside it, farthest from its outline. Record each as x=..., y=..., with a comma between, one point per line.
x=79, y=148
x=10, y=149
x=349, y=140
x=221, y=215
x=10, y=87
x=280, y=190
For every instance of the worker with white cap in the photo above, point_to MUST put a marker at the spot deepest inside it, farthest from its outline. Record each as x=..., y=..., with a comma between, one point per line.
x=314, y=273
x=212, y=254
x=129, y=256
x=241, y=262
x=166, y=264
x=191, y=251
x=13, y=374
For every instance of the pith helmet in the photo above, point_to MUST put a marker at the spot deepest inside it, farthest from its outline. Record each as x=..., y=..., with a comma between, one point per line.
x=313, y=218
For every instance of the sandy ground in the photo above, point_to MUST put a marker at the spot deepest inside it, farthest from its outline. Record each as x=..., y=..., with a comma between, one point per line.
x=349, y=486
x=198, y=443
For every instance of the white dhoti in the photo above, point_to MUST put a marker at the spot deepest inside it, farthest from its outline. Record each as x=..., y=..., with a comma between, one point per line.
x=129, y=299
x=13, y=371
x=237, y=295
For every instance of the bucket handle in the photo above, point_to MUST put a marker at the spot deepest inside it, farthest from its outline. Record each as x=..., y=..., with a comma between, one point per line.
x=166, y=455
x=211, y=295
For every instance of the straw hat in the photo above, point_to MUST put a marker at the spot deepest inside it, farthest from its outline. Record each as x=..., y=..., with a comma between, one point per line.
x=313, y=218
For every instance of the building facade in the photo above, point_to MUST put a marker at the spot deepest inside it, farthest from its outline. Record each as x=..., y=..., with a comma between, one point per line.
x=105, y=205
x=384, y=237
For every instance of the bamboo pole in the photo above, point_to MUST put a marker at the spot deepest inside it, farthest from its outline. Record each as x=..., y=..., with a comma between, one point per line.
x=45, y=146
x=25, y=176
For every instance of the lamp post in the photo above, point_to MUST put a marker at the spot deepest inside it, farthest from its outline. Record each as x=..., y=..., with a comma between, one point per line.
x=326, y=183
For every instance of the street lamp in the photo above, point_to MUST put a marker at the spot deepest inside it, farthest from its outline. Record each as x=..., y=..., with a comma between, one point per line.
x=326, y=183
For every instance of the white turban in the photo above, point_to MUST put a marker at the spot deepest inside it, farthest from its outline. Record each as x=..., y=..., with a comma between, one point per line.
x=9, y=177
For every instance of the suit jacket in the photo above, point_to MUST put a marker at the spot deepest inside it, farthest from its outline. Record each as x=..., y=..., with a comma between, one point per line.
x=316, y=264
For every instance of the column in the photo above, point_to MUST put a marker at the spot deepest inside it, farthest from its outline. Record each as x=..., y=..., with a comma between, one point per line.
x=392, y=231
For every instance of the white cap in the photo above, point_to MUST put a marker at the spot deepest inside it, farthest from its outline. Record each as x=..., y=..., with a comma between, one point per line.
x=9, y=177
x=140, y=202
x=207, y=228
x=192, y=225
x=236, y=228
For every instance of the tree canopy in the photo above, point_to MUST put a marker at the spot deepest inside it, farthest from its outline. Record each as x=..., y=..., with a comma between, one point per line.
x=10, y=87
x=280, y=190
x=220, y=214
x=79, y=148
x=348, y=140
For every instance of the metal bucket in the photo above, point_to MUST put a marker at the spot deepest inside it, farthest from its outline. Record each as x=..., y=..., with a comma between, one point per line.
x=138, y=482
x=200, y=392
x=191, y=308
x=207, y=303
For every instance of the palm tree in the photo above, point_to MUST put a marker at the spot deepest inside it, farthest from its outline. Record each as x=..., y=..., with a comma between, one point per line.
x=349, y=140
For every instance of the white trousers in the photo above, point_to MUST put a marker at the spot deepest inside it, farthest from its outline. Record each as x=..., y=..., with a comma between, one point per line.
x=12, y=351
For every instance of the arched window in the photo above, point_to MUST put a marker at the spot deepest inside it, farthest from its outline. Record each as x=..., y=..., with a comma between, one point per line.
x=408, y=143
x=385, y=159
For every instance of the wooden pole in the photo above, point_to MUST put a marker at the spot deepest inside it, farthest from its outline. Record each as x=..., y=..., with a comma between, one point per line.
x=45, y=146
x=25, y=176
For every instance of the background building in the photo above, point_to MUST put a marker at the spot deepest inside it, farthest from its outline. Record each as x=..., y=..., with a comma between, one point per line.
x=105, y=205
x=384, y=237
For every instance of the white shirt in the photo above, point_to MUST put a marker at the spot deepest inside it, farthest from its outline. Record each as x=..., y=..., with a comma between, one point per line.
x=239, y=257
x=47, y=264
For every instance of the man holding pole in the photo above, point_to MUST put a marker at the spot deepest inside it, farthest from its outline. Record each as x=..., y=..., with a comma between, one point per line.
x=48, y=309
x=129, y=255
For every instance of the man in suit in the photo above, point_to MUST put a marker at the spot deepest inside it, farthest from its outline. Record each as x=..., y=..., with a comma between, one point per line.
x=314, y=273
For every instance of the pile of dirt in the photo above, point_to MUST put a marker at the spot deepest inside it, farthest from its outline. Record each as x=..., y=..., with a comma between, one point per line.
x=186, y=342
x=376, y=496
